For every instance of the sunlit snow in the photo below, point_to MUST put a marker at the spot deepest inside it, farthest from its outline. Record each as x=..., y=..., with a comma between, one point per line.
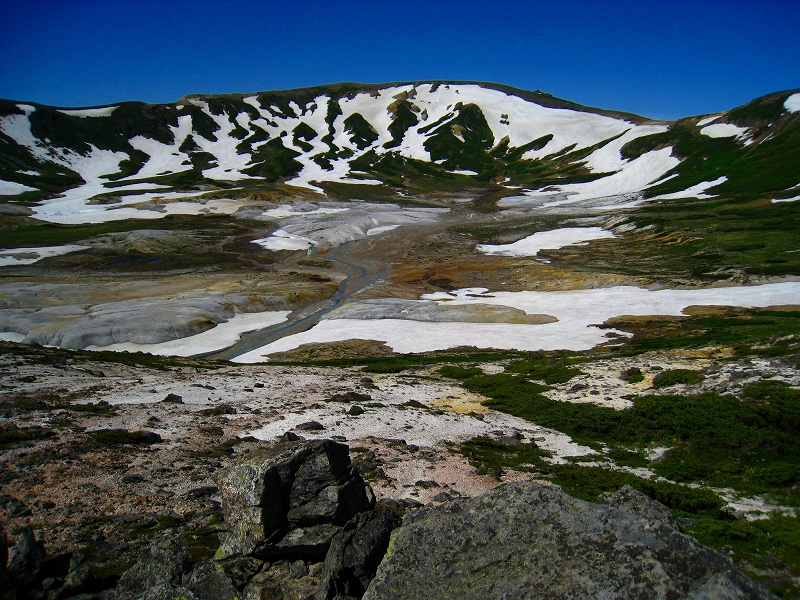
x=28, y=256
x=89, y=112
x=578, y=314
x=792, y=103
x=547, y=240
x=10, y=188
x=722, y=130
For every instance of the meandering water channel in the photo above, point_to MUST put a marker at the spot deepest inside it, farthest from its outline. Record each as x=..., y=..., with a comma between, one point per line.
x=361, y=275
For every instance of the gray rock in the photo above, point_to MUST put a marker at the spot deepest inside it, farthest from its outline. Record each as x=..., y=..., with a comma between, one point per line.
x=26, y=558
x=208, y=581
x=308, y=543
x=159, y=572
x=355, y=554
x=311, y=480
x=630, y=500
x=310, y=426
x=527, y=540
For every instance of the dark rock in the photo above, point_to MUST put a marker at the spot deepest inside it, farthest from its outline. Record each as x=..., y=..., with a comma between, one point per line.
x=427, y=484
x=240, y=569
x=159, y=572
x=290, y=436
x=310, y=426
x=527, y=540
x=208, y=581
x=577, y=388
x=355, y=554
x=442, y=497
x=355, y=410
x=637, y=503
x=308, y=543
x=132, y=478
x=26, y=558
x=202, y=492
x=173, y=399
x=286, y=485
x=150, y=437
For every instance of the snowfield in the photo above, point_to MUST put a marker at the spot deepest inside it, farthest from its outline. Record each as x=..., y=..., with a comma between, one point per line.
x=28, y=256
x=792, y=103
x=578, y=313
x=547, y=240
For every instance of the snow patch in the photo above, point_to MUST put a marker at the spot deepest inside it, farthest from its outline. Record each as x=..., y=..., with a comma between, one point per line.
x=696, y=191
x=578, y=314
x=28, y=256
x=212, y=340
x=10, y=188
x=90, y=112
x=723, y=130
x=707, y=120
x=792, y=103
x=283, y=240
x=547, y=240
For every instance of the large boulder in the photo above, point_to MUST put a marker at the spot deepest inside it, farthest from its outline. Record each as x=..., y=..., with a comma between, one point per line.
x=528, y=540
x=355, y=554
x=300, y=485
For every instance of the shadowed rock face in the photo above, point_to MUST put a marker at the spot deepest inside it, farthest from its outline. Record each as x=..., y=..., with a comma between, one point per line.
x=287, y=499
x=528, y=540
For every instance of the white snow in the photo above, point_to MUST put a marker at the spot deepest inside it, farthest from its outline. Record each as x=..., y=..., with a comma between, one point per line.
x=463, y=172
x=28, y=256
x=794, y=199
x=287, y=210
x=90, y=112
x=283, y=240
x=608, y=159
x=577, y=311
x=217, y=338
x=707, y=120
x=722, y=130
x=11, y=336
x=792, y=103
x=636, y=175
x=10, y=188
x=547, y=240
x=381, y=229
x=696, y=191
x=164, y=158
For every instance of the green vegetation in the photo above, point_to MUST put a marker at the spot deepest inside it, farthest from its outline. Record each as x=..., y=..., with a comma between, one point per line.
x=677, y=376
x=119, y=437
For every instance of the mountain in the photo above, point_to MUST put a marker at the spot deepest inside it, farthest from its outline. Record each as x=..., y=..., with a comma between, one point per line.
x=350, y=140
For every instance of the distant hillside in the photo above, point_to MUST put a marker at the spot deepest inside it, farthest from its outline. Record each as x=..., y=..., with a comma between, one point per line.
x=404, y=138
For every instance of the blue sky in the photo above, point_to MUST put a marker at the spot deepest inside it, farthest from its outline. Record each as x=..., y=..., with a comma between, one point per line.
x=662, y=59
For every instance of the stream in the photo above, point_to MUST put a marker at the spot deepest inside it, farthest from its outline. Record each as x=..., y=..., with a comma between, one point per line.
x=360, y=276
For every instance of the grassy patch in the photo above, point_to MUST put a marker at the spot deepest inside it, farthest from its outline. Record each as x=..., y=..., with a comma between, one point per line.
x=716, y=439
x=119, y=437
x=769, y=549
x=677, y=376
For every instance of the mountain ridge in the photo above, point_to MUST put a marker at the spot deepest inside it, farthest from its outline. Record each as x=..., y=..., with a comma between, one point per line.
x=417, y=138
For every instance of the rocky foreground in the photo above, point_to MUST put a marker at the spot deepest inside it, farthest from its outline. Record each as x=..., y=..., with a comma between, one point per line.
x=300, y=522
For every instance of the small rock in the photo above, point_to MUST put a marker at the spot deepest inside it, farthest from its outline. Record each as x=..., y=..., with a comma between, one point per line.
x=132, y=478
x=201, y=492
x=173, y=399
x=289, y=436
x=355, y=411
x=150, y=437
x=310, y=426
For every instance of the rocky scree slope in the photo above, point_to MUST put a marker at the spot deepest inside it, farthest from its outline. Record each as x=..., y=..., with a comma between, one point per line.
x=415, y=136
x=303, y=524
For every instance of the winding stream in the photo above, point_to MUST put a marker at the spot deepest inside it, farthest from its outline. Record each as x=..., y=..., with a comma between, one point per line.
x=360, y=276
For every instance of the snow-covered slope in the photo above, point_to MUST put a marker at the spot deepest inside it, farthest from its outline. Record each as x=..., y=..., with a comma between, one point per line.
x=97, y=160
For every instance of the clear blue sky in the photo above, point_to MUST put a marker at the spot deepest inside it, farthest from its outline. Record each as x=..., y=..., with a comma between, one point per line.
x=663, y=59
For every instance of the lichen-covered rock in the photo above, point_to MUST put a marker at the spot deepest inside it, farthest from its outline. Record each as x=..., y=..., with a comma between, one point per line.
x=289, y=485
x=630, y=500
x=527, y=540
x=158, y=574
x=355, y=554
